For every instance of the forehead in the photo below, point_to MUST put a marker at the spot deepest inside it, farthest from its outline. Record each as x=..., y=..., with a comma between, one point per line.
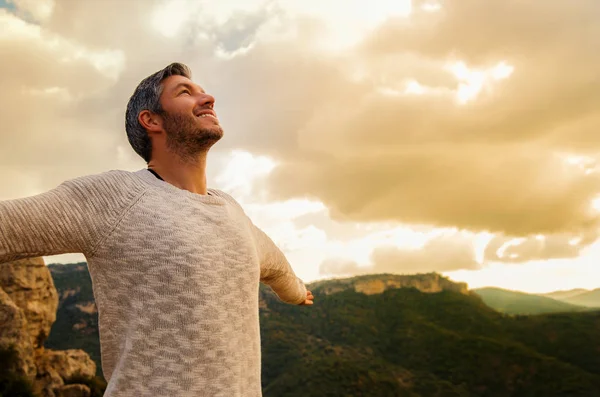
x=172, y=83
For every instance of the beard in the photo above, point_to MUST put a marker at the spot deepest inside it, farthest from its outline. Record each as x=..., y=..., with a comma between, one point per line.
x=186, y=138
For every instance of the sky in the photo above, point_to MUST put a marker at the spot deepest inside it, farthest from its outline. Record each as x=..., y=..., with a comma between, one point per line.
x=459, y=137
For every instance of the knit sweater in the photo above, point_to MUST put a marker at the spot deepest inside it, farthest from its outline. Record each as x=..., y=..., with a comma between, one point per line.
x=175, y=277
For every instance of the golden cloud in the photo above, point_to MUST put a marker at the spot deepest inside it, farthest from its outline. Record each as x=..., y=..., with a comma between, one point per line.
x=394, y=129
x=375, y=150
x=439, y=254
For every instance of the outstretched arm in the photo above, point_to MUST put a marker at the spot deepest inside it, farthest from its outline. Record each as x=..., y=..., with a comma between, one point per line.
x=276, y=272
x=71, y=218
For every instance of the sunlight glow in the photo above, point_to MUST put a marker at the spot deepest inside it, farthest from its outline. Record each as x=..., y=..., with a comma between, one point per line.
x=473, y=81
x=575, y=241
x=289, y=209
x=413, y=87
x=512, y=243
x=578, y=160
x=536, y=276
x=431, y=7
x=347, y=22
x=224, y=54
x=596, y=204
x=501, y=71
x=169, y=17
x=480, y=242
x=585, y=164
x=241, y=170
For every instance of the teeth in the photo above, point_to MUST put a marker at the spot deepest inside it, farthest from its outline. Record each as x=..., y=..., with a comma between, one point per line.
x=207, y=115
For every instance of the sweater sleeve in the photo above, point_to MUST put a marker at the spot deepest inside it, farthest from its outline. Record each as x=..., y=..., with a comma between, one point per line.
x=74, y=217
x=276, y=272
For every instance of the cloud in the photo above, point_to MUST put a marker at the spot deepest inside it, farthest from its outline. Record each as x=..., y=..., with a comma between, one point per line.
x=478, y=189
x=507, y=249
x=441, y=253
x=434, y=118
x=67, y=84
x=340, y=267
x=36, y=10
x=373, y=150
x=42, y=82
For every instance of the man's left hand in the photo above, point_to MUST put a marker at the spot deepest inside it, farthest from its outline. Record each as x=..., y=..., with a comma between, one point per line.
x=309, y=299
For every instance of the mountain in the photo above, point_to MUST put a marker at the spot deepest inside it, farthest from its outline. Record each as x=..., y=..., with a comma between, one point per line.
x=378, y=283
x=514, y=302
x=580, y=297
x=390, y=335
x=590, y=299
x=561, y=295
x=403, y=342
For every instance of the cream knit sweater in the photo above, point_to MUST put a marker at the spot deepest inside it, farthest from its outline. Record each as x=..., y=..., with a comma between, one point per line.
x=175, y=277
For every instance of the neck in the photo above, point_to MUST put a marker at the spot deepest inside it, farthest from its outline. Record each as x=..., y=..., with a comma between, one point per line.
x=186, y=174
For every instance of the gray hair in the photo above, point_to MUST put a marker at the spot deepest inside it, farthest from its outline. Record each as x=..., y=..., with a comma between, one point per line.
x=146, y=97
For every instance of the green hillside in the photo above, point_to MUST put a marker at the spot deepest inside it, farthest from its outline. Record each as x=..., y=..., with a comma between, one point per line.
x=404, y=342
x=514, y=302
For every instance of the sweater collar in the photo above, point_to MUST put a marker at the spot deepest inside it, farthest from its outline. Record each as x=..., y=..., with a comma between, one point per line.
x=212, y=196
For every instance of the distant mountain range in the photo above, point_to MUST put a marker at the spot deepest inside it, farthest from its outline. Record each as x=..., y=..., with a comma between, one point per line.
x=389, y=335
x=580, y=297
x=515, y=302
x=560, y=295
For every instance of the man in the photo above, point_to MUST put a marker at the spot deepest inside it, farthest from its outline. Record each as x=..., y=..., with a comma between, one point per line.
x=175, y=265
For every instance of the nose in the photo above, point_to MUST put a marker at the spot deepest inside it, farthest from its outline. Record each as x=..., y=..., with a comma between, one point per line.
x=206, y=100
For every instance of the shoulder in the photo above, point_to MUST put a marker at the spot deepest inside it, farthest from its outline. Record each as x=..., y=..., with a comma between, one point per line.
x=113, y=182
x=112, y=176
x=226, y=196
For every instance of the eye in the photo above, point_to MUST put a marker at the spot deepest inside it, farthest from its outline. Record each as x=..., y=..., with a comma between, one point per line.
x=185, y=91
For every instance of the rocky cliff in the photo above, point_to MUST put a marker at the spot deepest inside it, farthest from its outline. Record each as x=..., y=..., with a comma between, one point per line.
x=28, y=303
x=378, y=283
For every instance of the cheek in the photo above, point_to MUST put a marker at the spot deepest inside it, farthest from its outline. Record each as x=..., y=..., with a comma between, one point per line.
x=181, y=105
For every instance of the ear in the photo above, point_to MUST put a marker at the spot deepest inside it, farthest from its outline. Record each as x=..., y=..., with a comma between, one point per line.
x=152, y=122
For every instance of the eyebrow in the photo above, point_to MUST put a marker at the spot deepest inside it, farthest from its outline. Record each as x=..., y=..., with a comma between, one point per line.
x=188, y=86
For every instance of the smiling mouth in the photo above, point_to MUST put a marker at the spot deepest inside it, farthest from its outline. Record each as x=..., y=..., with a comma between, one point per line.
x=208, y=115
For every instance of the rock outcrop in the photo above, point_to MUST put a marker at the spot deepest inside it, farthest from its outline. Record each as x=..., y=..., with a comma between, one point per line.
x=378, y=283
x=54, y=367
x=28, y=303
x=14, y=333
x=29, y=284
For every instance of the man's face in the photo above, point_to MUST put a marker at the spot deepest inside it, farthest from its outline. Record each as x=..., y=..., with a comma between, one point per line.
x=189, y=120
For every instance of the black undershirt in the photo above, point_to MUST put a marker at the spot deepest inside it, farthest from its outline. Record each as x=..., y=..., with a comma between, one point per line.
x=159, y=177
x=155, y=174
